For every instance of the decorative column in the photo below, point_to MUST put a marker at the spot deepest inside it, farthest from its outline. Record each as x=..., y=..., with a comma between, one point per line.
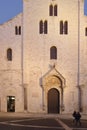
x=78, y=76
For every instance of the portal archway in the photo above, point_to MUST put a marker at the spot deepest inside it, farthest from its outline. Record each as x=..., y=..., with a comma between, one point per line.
x=53, y=84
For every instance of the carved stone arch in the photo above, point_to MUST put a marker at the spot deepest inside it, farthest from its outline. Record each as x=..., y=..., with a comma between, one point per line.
x=53, y=80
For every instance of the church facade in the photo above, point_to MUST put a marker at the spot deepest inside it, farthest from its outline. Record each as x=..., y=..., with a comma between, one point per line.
x=43, y=58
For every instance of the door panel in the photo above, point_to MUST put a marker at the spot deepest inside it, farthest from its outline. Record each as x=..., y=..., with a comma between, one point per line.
x=53, y=101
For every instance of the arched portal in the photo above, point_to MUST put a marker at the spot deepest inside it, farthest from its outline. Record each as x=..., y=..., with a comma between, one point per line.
x=53, y=101
x=53, y=84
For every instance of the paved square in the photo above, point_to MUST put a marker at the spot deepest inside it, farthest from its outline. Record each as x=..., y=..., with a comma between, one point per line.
x=40, y=123
x=30, y=124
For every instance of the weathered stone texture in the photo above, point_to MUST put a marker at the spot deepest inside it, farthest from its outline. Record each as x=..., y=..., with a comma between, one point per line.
x=31, y=67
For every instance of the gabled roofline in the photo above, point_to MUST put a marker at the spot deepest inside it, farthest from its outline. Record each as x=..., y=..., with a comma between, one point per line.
x=10, y=20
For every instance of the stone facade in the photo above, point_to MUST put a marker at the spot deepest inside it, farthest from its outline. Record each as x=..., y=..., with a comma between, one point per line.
x=32, y=81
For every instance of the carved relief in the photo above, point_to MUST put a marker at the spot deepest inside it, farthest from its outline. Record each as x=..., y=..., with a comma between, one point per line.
x=51, y=81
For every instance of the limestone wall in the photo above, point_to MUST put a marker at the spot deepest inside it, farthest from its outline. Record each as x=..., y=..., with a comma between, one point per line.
x=11, y=71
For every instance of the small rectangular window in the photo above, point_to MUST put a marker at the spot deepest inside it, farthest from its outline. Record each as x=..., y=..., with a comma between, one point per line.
x=85, y=31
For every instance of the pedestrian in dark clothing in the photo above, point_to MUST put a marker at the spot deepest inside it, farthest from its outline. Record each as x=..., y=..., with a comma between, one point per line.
x=74, y=114
x=77, y=118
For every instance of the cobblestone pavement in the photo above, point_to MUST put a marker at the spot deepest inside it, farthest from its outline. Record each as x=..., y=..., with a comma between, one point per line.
x=39, y=122
x=30, y=124
x=69, y=123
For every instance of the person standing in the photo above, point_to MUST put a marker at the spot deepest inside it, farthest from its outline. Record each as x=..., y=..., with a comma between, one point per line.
x=77, y=118
x=74, y=114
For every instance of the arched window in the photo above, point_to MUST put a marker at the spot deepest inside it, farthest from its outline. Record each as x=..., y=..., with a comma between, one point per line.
x=16, y=30
x=9, y=54
x=19, y=30
x=45, y=27
x=61, y=27
x=55, y=10
x=51, y=10
x=53, y=52
x=65, y=27
x=41, y=27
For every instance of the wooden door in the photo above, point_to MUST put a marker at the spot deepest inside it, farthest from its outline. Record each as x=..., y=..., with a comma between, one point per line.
x=53, y=101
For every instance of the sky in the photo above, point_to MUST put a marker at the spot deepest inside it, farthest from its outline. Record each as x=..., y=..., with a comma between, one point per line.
x=10, y=8
x=85, y=7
